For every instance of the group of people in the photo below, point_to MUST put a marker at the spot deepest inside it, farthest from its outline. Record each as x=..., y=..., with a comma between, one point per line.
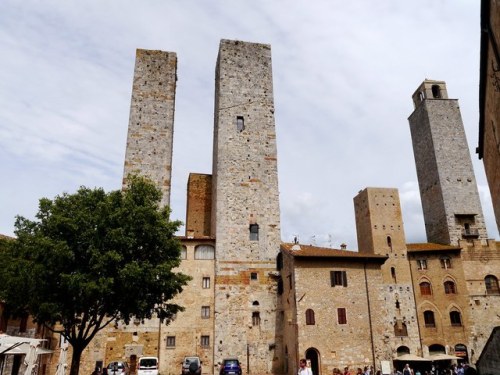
x=461, y=369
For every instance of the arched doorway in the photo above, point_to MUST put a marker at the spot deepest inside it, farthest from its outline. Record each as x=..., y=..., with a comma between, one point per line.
x=313, y=356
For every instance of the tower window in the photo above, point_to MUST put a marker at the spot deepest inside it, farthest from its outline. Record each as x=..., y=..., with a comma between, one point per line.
x=436, y=92
x=254, y=232
x=170, y=341
x=205, y=341
x=205, y=283
x=342, y=315
x=389, y=242
x=205, y=312
x=256, y=319
x=253, y=276
x=240, y=123
x=393, y=274
x=310, y=321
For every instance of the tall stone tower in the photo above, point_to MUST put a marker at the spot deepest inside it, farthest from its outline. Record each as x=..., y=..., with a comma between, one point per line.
x=151, y=121
x=380, y=230
x=448, y=189
x=245, y=209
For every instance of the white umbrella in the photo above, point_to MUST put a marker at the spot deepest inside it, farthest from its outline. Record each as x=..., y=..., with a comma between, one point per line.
x=30, y=358
x=411, y=357
x=442, y=357
x=61, y=363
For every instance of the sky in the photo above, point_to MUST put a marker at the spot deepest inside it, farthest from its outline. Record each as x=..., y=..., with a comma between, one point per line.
x=343, y=72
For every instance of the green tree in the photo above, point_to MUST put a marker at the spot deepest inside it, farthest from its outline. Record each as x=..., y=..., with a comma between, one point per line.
x=91, y=258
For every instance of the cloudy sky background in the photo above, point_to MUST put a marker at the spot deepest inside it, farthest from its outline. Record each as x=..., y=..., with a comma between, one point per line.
x=344, y=73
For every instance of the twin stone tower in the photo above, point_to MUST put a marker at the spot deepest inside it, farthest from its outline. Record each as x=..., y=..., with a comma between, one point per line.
x=237, y=207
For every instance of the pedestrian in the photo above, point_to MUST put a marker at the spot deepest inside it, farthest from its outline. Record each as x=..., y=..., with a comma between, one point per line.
x=303, y=369
x=346, y=370
x=407, y=370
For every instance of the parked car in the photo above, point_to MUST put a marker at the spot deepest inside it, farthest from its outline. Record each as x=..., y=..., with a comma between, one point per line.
x=118, y=368
x=147, y=366
x=191, y=365
x=230, y=366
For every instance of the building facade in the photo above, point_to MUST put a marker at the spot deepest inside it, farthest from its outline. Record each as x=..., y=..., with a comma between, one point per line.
x=489, y=99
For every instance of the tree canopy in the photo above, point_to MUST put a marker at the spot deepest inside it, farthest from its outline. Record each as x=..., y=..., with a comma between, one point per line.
x=91, y=258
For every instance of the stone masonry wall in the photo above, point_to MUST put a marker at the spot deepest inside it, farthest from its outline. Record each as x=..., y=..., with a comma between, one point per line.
x=151, y=122
x=491, y=157
x=245, y=194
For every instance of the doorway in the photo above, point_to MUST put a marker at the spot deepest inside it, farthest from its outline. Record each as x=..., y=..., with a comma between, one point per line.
x=312, y=355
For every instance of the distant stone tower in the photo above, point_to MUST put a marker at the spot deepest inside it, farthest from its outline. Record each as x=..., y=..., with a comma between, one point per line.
x=246, y=215
x=380, y=230
x=448, y=189
x=151, y=121
x=199, y=205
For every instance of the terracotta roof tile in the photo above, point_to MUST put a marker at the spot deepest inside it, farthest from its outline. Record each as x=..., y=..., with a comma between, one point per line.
x=421, y=247
x=323, y=252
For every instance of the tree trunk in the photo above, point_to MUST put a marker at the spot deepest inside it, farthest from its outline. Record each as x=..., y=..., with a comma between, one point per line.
x=78, y=348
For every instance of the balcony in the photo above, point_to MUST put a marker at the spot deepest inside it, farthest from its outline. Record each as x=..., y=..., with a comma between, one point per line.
x=470, y=233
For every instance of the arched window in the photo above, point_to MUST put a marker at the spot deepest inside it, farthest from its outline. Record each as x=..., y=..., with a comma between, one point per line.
x=204, y=252
x=255, y=303
x=425, y=288
x=455, y=318
x=449, y=287
x=491, y=283
x=429, y=318
x=393, y=275
x=310, y=317
x=403, y=350
x=183, y=252
x=436, y=91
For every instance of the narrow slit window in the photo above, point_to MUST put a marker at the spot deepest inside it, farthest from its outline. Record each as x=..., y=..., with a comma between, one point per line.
x=254, y=232
x=342, y=316
x=256, y=319
x=206, y=283
x=240, y=123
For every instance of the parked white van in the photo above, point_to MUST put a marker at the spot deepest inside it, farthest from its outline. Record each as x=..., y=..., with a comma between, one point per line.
x=147, y=366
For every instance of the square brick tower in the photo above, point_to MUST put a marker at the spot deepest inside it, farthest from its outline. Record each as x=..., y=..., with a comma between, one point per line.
x=151, y=121
x=245, y=209
x=448, y=189
x=380, y=230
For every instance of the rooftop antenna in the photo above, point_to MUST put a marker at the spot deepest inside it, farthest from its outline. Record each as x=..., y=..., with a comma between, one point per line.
x=330, y=242
x=313, y=240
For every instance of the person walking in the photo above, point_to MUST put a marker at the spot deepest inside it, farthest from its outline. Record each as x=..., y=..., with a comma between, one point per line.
x=303, y=369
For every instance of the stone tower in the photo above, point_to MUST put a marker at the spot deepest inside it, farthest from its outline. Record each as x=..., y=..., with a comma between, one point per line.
x=245, y=209
x=151, y=121
x=448, y=189
x=380, y=230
